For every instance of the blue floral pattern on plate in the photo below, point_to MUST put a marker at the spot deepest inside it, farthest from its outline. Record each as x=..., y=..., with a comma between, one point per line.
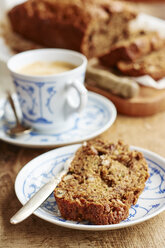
x=98, y=116
x=42, y=169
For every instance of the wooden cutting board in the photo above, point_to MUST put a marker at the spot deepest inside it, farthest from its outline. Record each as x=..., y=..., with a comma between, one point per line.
x=148, y=102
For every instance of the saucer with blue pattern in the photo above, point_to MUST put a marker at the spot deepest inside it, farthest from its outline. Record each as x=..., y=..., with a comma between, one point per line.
x=44, y=167
x=98, y=116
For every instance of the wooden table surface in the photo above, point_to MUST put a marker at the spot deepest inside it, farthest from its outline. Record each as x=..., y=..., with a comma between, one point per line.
x=34, y=232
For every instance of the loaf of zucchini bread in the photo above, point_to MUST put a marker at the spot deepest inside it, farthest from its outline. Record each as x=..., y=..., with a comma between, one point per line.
x=89, y=26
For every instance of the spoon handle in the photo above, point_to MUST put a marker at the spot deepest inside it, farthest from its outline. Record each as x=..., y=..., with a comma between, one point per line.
x=10, y=99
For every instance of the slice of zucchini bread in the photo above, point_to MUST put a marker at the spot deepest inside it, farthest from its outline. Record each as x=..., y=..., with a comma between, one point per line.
x=136, y=46
x=152, y=64
x=103, y=181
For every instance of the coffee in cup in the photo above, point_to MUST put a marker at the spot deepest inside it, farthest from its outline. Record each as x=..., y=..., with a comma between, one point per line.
x=40, y=68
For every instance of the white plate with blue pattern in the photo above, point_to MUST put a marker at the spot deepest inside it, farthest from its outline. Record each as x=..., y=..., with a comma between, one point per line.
x=41, y=169
x=98, y=116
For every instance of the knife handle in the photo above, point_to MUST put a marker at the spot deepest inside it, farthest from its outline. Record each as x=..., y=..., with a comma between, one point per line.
x=37, y=199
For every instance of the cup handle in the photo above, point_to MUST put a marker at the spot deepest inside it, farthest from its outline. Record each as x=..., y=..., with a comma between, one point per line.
x=82, y=92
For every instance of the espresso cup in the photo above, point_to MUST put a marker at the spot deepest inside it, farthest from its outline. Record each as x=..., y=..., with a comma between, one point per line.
x=50, y=102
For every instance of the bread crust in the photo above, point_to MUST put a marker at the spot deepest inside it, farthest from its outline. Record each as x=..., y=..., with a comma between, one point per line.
x=102, y=183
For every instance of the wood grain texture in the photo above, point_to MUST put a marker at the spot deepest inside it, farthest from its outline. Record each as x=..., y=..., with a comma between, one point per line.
x=148, y=102
x=146, y=132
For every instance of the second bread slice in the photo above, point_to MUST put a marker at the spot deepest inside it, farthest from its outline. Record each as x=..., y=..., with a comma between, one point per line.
x=133, y=48
x=152, y=65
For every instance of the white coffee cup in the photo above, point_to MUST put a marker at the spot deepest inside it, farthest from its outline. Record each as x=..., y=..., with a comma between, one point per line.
x=50, y=103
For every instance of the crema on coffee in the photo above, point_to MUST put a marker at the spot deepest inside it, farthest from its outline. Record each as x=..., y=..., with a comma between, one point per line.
x=40, y=68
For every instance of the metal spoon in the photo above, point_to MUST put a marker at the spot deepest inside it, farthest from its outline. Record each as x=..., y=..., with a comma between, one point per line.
x=18, y=129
